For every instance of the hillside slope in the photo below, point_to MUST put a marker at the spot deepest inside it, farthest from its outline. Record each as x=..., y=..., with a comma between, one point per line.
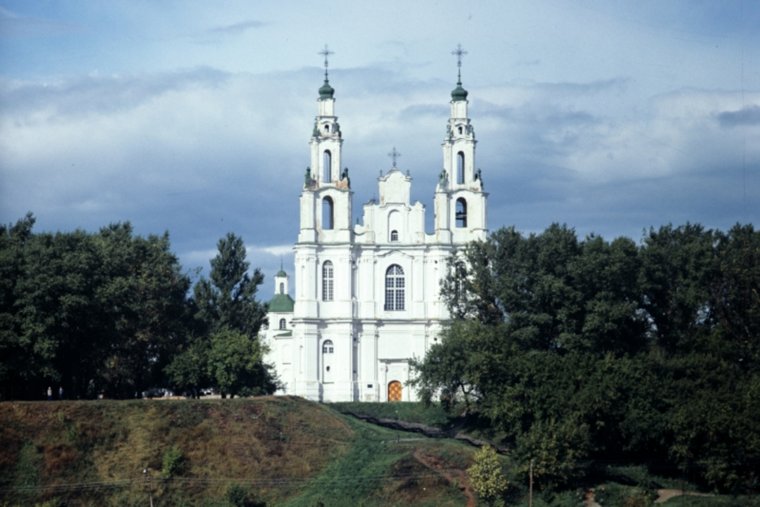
x=274, y=451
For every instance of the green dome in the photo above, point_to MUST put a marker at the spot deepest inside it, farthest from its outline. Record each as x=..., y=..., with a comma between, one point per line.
x=281, y=273
x=281, y=303
x=326, y=91
x=459, y=93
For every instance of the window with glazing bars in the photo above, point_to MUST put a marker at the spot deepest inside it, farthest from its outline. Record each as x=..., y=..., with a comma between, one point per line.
x=394, y=288
x=327, y=281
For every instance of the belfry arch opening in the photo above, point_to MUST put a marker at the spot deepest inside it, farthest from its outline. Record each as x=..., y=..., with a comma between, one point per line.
x=460, y=167
x=326, y=166
x=461, y=213
x=328, y=213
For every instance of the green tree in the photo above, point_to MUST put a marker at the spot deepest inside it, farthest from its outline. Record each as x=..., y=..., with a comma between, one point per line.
x=226, y=350
x=487, y=477
x=228, y=298
x=236, y=364
x=89, y=312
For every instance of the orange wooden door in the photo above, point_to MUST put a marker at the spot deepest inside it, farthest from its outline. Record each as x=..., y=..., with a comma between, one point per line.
x=395, y=391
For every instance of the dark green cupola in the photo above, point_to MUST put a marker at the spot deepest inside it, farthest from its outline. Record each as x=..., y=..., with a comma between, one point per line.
x=326, y=91
x=459, y=93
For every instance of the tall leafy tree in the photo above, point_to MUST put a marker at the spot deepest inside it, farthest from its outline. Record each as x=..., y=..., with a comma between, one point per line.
x=227, y=300
x=229, y=318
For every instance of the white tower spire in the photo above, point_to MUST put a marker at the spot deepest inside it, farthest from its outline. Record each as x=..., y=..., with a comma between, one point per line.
x=460, y=203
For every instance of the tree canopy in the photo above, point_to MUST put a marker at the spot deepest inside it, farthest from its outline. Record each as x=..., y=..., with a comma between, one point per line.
x=581, y=350
x=111, y=313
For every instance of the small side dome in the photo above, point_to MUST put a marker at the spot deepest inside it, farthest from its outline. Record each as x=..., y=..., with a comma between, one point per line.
x=326, y=91
x=459, y=93
x=281, y=273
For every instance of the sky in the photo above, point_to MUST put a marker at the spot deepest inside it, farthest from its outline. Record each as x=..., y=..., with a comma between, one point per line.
x=194, y=117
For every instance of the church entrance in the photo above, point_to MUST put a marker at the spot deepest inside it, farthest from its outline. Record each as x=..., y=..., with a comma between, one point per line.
x=395, y=391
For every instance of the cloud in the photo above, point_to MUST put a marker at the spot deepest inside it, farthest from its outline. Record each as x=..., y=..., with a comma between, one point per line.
x=748, y=115
x=96, y=94
x=236, y=28
x=13, y=25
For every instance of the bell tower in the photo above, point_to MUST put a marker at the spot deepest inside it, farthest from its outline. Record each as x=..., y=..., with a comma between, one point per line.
x=460, y=202
x=326, y=196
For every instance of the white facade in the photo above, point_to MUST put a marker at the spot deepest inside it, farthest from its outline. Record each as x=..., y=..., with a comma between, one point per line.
x=367, y=297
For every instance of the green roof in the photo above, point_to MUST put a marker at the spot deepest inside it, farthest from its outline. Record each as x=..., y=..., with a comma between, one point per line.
x=326, y=91
x=281, y=303
x=459, y=93
x=281, y=273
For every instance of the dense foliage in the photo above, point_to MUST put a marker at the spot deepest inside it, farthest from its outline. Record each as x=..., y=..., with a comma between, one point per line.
x=109, y=312
x=586, y=351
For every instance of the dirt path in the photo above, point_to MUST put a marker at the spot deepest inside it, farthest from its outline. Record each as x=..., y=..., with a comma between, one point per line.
x=666, y=494
x=455, y=477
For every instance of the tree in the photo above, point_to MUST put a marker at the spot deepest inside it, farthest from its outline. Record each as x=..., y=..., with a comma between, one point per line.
x=226, y=350
x=89, y=312
x=487, y=477
x=236, y=364
x=228, y=299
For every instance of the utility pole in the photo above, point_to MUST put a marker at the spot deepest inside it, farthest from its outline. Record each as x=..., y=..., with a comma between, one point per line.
x=530, y=484
x=147, y=482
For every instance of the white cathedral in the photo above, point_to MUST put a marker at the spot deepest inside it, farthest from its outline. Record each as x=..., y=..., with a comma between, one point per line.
x=367, y=296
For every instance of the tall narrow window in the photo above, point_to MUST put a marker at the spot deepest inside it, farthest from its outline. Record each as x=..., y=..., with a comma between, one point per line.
x=394, y=288
x=282, y=288
x=327, y=359
x=460, y=167
x=327, y=281
x=394, y=235
x=326, y=166
x=282, y=324
x=461, y=213
x=327, y=213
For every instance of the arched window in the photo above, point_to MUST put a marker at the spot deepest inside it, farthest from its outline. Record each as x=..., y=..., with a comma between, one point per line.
x=461, y=213
x=327, y=359
x=394, y=288
x=327, y=128
x=461, y=130
x=327, y=281
x=282, y=288
x=394, y=235
x=460, y=167
x=327, y=213
x=283, y=324
x=326, y=166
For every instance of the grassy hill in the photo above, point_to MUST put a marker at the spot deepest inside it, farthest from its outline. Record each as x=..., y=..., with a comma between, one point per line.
x=265, y=451
x=278, y=451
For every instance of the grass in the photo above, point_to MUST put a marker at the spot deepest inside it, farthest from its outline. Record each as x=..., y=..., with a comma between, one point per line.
x=278, y=451
x=262, y=451
x=416, y=412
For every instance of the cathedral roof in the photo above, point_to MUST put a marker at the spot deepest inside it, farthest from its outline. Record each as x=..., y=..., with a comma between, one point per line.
x=281, y=303
x=326, y=91
x=459, y=93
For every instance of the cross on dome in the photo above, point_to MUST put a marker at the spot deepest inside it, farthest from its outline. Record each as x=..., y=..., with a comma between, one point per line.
x=394, y=155
x=326, y=52
x=459, y=53
x=326, y=91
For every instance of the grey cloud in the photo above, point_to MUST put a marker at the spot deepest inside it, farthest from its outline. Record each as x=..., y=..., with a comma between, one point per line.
x=602, y=85
x=100, y=94
x=13, y=25
x=236, y=28
x=748, y=115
